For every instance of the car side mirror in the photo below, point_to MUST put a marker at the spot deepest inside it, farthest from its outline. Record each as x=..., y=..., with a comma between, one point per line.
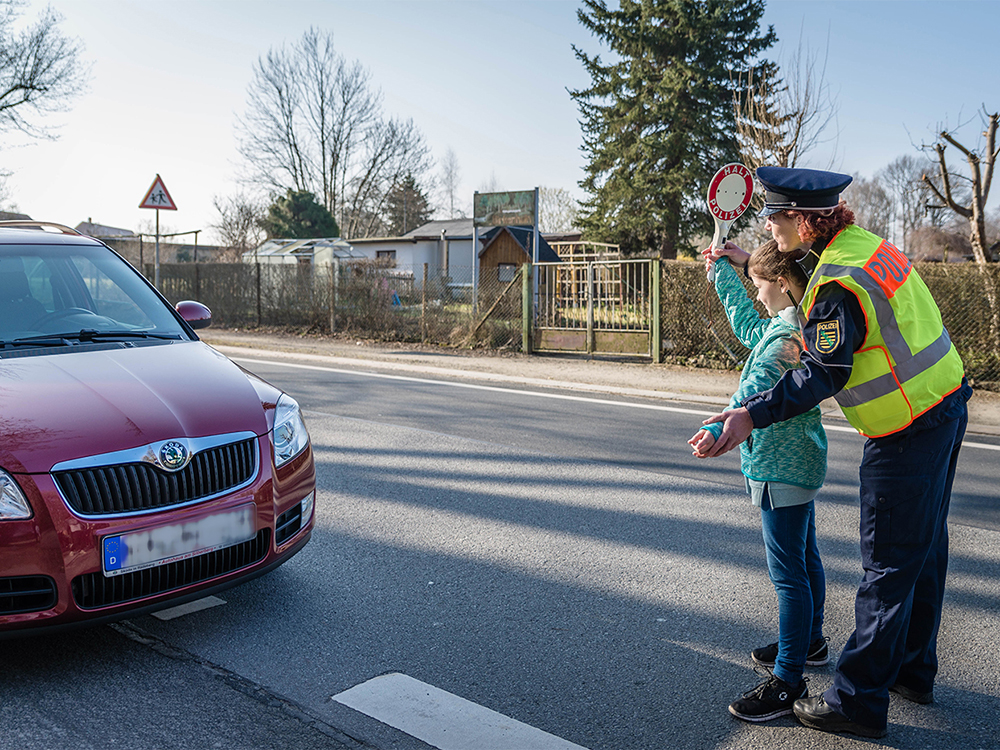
x=194, y=313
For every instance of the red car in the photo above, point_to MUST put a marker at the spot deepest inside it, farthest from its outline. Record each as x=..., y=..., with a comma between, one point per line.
x=139, y=467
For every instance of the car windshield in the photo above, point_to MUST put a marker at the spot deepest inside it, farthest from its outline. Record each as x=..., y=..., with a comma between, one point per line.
x=59, y=293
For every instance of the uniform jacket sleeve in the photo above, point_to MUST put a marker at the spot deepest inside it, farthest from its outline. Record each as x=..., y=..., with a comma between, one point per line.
x=822, y=375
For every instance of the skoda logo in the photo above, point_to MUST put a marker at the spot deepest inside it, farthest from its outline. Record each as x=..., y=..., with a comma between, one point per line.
x=173, y=455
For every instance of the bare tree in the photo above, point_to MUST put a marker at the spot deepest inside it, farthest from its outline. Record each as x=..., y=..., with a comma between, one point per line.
x=313, y=122
x=491, y=184
x=239, y=225
x=903, y=180
x=450, y=184
x=872, y=205
x=779, y=120
x=393, y=150
x=558, y=209
x=981, y=162
x=40, y=70
x=6, y=204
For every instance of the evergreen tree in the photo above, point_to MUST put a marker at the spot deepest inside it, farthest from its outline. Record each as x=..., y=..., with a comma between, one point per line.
x=297, y=215
x=406, y=207
x=658, y=120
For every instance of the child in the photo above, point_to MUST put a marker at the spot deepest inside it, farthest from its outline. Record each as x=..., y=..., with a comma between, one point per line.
x=784, y=466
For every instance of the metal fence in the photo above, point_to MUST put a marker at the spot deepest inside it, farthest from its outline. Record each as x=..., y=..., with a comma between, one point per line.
x=372, y=300
x=619, y=298
x=367, y=299
x=696, y=331
x=592, y=306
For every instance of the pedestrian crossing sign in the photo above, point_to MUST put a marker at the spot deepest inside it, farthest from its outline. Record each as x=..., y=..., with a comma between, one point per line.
x=158, y=197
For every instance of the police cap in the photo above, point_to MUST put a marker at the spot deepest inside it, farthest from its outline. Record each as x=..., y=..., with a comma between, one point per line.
x=787, y=189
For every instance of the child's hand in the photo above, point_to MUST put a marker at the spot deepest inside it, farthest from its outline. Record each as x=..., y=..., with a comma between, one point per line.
x=709, y=255
x=702, y=442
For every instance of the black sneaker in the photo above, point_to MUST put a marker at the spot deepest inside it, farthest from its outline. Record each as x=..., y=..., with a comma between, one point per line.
x=817, y=656
x=769, y=700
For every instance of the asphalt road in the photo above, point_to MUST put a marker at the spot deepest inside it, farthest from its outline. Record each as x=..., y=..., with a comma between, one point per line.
x=555, y=557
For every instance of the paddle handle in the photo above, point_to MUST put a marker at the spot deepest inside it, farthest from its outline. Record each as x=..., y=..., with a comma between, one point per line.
x=718, y=241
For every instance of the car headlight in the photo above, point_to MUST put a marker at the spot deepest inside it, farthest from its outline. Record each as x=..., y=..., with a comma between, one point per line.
x=290, y=434
x=13, y=503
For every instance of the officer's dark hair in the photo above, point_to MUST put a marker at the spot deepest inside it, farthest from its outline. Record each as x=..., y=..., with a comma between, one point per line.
x=768, y=262
x=820, y=227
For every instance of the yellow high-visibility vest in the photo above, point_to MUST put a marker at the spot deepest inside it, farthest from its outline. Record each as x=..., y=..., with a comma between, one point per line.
x=907, y=362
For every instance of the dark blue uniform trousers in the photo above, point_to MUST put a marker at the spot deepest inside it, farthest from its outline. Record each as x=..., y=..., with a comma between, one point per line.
x=906, y=481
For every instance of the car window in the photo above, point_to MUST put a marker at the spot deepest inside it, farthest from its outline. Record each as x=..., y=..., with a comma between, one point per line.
x=39, y=282
x=107, y=297
x=52, y=289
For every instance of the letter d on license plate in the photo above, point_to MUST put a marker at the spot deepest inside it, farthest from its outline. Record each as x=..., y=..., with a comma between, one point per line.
x=148, y=548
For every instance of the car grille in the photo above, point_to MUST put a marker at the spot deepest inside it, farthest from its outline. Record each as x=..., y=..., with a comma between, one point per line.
x=94, y=590
x=26, y=594
x=288, y=524
x=128, y=488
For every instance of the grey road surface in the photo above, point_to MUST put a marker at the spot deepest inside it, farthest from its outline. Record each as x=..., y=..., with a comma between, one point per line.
x=474, y=540
x=556, y=557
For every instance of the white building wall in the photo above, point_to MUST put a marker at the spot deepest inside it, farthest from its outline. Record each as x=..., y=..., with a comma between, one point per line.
x=411, y=256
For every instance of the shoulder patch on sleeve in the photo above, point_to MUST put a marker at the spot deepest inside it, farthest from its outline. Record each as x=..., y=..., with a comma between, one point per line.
x=827, y=336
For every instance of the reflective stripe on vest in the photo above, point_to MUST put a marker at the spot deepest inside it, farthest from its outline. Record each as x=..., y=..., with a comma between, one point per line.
x=884, y=367
x=907, y=365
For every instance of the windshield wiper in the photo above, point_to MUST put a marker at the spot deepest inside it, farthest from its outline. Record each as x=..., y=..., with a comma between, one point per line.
x=84, y=335
x=89, y=334
x=36, y=341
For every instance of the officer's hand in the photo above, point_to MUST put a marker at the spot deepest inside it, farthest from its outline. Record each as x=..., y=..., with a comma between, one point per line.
x=737, y=256
x=736, y=427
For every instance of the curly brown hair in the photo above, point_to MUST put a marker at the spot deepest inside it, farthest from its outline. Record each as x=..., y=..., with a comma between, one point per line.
x=817, y=226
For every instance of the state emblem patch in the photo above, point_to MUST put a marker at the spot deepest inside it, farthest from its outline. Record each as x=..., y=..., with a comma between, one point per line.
x=827, y=336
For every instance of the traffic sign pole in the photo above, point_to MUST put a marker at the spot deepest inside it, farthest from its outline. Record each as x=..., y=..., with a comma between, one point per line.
x=157, y=197
x=156, y=256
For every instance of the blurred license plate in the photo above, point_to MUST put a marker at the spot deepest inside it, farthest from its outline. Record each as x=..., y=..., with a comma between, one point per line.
x=148, y=548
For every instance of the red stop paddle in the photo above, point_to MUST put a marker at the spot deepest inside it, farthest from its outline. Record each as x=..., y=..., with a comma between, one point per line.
x=729, y=196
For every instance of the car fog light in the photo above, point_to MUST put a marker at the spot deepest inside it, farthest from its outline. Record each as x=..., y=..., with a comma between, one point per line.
x=307, y=508
x=13, y=503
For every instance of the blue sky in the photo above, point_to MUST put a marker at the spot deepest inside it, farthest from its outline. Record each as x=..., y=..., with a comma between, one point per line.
x=486, y=79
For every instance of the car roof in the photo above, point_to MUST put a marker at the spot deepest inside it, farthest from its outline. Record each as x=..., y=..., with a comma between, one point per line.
x=41, y=233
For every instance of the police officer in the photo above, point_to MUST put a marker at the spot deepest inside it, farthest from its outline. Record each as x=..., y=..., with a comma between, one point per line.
x=875, y=342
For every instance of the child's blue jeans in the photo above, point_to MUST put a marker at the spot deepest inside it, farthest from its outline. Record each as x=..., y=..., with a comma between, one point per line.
x=796, y=571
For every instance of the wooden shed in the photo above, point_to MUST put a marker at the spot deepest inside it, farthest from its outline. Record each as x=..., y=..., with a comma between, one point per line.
x=505, y=250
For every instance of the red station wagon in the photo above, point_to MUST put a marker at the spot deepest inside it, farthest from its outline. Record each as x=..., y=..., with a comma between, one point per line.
x=139, y=467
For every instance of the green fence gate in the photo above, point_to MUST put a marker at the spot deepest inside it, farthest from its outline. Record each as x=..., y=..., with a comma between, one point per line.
x=598, y=307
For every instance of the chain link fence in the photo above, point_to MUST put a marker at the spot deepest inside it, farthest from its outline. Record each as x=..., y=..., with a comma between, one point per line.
x=696, y=332
x=969, y=298
x=367, y=299
x=372, y=300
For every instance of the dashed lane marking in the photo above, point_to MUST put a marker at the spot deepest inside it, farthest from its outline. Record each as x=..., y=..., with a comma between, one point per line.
x=444, y=720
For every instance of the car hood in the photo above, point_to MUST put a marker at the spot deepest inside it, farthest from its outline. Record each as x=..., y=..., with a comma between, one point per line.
x=58, y=407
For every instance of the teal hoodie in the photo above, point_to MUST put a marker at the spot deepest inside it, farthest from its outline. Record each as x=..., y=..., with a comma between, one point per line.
x=794, y=451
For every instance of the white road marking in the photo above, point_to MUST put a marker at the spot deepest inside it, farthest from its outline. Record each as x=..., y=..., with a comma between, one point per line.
x=537, y=394
x=186, y=609
x=443, y=720
x=984, y=446
x=240, y=353
x=476, y=387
